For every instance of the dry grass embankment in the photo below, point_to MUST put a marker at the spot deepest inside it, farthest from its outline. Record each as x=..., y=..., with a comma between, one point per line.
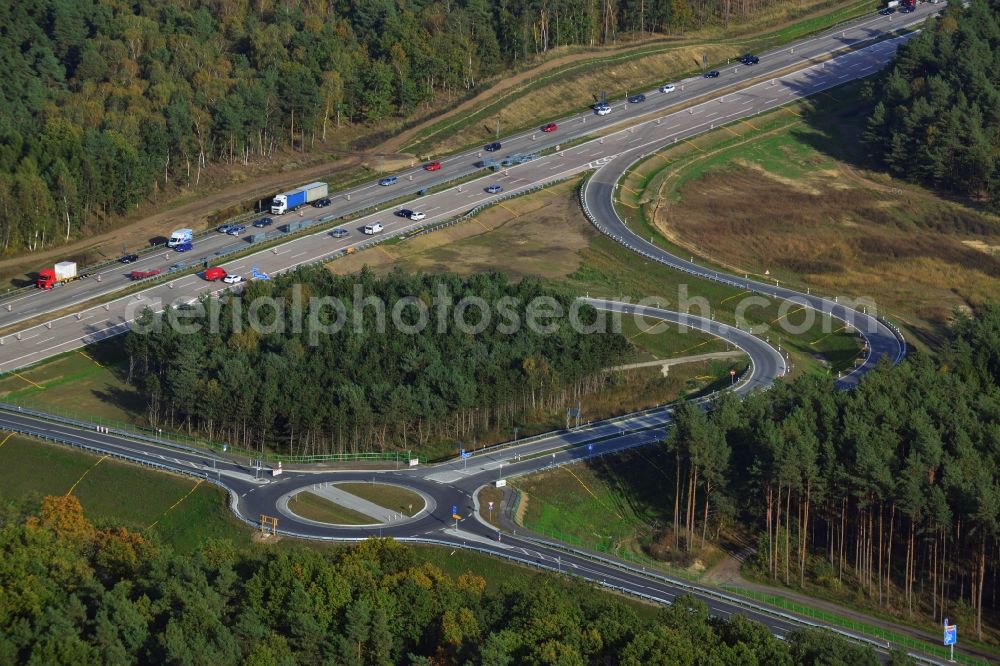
x=790, y=198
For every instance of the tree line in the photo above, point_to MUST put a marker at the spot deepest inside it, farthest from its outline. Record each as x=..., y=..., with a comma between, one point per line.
x=107, y=104
x=78, y=594
x=370, y=385
x=892, y=489
x=937, y=114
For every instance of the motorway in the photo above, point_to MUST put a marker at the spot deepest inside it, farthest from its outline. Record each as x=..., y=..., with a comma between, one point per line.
x=455, y=484
x=76, y=326
x=450, y=486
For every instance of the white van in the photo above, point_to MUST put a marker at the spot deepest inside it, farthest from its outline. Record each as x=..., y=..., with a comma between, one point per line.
x=373, y=228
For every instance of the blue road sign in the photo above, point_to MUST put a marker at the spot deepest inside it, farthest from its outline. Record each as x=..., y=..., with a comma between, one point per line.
x=950, y=634
x=466, y=455
x=590, y=447
x=454, y=509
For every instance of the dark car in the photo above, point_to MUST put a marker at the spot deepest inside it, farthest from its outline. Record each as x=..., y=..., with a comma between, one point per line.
x=635, y=99
x=404, y=212
x=905, y=9
x=340, y=232
x=236, y=229
x=128, y=258
x=492, y=147
x=494, y=189
x=263, y=222
x=749, y=59
x=885, y=11
x=322, y=203
x=712, y=75
x=390, y=180
x=224, y=228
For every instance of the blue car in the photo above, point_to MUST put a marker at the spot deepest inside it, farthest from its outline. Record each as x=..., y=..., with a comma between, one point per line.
x=263, y=222
x=494, y=189
x=391, y=180
x=236, y=229
x=224, y=229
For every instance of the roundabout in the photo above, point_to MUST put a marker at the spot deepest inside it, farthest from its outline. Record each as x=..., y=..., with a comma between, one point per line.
x=354, y=504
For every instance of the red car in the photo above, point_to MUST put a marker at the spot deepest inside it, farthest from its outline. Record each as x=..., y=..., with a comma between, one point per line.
x=214, y=273
x=142, y=275
x=432, y=166
x=551, y=127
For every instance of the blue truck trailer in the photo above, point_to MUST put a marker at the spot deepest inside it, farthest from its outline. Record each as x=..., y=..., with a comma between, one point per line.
x=286, y=201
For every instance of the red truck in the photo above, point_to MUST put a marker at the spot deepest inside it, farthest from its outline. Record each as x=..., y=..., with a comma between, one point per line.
x=142, y=275
x=61, y=273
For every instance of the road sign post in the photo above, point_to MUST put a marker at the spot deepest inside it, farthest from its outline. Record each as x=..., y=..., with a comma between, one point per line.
x=950, y=638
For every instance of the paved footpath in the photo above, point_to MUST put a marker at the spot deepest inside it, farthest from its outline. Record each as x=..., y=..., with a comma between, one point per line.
x=345, y=499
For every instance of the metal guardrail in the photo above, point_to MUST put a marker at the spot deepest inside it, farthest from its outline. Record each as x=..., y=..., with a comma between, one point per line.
x=721, y=278
x=234, y=508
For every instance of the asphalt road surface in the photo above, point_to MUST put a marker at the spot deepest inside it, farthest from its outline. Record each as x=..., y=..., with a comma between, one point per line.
x=607, y=155
x=30, y=304
x=255, y=492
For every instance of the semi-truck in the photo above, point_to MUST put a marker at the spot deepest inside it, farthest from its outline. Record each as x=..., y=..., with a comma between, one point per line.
x=181, y=240
x=294, y=199
x=64, y=271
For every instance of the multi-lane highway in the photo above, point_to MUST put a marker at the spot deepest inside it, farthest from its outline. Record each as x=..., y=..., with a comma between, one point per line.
x=644, y=128
x=56, y=335
x=453, y=487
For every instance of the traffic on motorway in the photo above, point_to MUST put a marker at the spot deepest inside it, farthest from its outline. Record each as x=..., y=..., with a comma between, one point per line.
x=205, y=249
x=91, y=323
x=254, y=493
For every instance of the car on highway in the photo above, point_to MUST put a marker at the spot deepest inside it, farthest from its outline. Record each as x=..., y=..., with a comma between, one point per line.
x=142, y=275
x=551, y=127
x=237, y=229
x=373, y=228
x=885, y=11
x=906, y=9
x=714, y=74
x=494, y=189
x=416, y=216
x=340, y=232
x=322, y=203
x=602, y=108
x=636, y=99
x=214, y=273
x=404, y=212
x=128, y=258
x=224, y=228
x=432, y=166
x=493, y=147
x=391, y=180
x=750, y=59
x=233, y=279
x=667, y=88
x=263, y=222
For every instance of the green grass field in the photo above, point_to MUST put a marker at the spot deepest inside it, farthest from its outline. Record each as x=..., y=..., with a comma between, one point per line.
x=178, y=509
x=612, y=504
x=394, y=498
x=314, y=507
